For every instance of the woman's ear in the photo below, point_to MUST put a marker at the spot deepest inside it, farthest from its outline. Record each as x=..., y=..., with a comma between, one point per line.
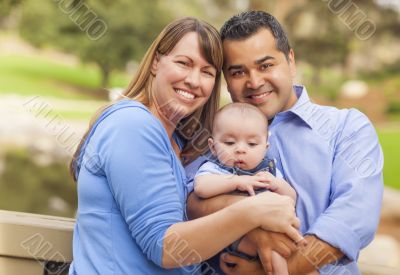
x=211, y=145
x=154, y=64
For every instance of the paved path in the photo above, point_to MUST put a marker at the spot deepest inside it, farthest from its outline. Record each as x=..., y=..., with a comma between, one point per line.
x=26, y=121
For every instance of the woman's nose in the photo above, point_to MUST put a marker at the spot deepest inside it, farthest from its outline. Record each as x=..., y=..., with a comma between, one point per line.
x=193, y=78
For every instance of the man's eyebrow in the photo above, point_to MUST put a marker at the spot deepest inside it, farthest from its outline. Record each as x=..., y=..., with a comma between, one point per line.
x=257, y=62
x=265, y=58
x=234, y=67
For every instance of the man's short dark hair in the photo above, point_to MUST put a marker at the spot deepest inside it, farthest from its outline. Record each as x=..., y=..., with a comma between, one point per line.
x=245, y=24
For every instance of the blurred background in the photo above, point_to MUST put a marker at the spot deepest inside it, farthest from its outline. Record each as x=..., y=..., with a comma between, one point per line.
x=62, y=59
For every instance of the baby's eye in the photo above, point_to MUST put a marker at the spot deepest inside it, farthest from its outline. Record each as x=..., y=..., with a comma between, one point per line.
x=229, y=143
x=252, y=144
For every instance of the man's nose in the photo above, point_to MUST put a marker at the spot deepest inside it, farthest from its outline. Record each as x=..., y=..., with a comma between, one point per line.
x=255, y=80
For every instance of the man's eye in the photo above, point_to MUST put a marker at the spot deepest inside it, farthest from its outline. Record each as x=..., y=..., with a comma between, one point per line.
x=237, y=73
x=229, y=143
x=263, y=67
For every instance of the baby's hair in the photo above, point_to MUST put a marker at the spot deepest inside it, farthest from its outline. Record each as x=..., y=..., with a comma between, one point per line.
x=243, y=109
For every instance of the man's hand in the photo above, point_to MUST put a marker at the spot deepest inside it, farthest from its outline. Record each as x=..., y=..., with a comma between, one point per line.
x=266, y=242
x=316, y=254
x=305, y=260
x=241, y=266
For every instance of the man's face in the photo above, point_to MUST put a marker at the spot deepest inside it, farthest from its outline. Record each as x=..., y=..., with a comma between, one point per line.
x=257, y=73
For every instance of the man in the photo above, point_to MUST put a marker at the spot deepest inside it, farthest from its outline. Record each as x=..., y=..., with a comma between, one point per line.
x=331, y=157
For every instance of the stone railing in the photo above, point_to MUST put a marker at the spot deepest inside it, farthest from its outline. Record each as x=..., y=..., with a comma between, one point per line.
x=34, y=244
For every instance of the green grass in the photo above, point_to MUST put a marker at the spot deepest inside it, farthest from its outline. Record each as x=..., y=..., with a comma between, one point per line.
x=30, y=75
x=390, y=141
x=74, y=115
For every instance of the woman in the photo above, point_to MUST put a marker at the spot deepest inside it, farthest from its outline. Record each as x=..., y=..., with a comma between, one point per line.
x=131, y=184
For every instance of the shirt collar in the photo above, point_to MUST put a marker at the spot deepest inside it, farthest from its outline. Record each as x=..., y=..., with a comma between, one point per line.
x=302, y=106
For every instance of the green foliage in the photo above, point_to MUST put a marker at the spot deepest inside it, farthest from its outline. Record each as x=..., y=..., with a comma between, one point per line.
x=130, y=26
x=326, y=42
x=389, y=140
x=320, y=51
x=393, y=108
x=387, y=82
x=6, y=6
x=27, y=187
x=325, y=36
x=381, y=74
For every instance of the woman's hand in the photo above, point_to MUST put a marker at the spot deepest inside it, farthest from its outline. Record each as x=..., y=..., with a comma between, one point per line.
x=276, y=213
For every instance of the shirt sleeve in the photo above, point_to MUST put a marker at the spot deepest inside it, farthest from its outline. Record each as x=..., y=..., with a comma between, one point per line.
x=138, y=167
x=191, y=170
x=350, y=221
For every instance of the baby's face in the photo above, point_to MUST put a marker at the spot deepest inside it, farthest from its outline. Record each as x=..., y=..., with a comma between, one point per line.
x=240, y=141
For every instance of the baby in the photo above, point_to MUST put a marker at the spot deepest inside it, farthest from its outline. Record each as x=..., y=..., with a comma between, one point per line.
x=239, y=144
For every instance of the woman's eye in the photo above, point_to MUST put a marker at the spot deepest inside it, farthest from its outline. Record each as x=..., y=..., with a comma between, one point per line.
x=184, y=63
x=209, y=73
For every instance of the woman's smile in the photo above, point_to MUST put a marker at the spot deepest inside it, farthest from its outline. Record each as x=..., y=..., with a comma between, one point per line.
x=187, y=95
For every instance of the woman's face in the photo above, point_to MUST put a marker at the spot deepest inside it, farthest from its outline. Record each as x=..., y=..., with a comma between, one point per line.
x=183, y=79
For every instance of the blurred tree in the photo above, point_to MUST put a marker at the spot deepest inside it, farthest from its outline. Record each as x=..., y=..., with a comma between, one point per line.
x=108, y=33
x=324, y=35
x=318, y=42
x=29, y=187
x=6, y=8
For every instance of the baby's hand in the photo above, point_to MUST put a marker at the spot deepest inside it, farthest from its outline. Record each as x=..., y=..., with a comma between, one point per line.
x=277, y=185
x=272, y=183
x=249, y=183
x=265, y=176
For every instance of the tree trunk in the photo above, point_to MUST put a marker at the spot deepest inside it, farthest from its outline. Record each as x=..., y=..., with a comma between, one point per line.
x=316, y=76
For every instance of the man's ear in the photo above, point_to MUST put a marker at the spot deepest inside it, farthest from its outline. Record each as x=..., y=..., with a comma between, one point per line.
x=211, y=145
x=154, y=64
x=292, y=63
